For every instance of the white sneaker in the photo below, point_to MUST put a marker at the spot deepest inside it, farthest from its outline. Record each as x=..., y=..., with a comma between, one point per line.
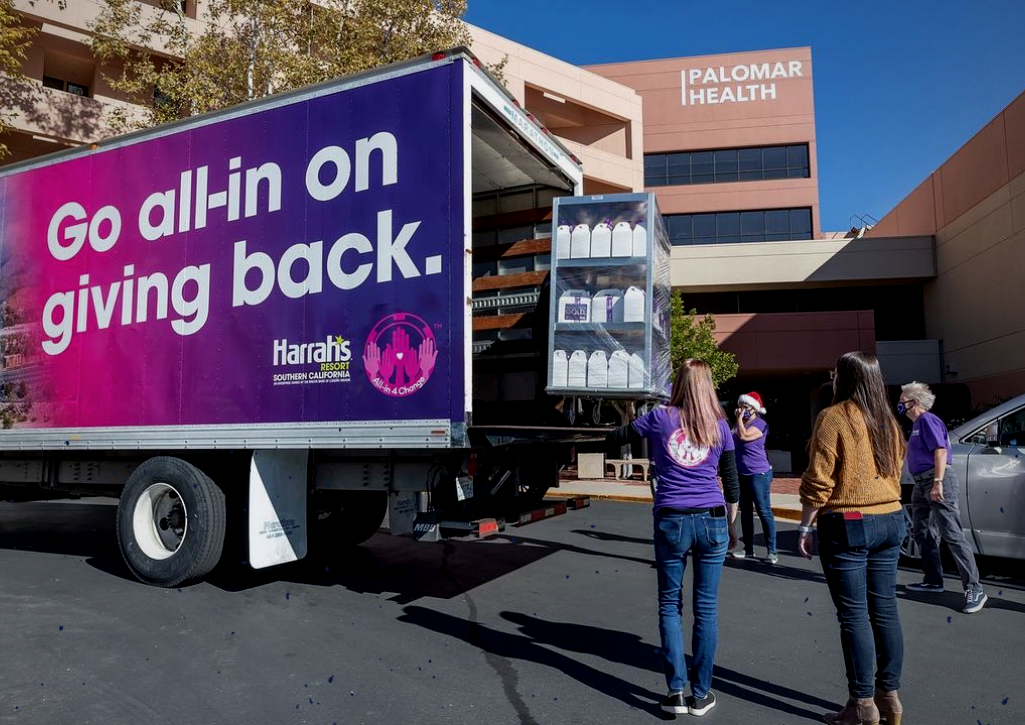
x=737, y=554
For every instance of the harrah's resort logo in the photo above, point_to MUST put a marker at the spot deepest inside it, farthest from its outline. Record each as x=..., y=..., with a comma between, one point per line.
x=329, y=359
x=400, y=354
x=737, y=83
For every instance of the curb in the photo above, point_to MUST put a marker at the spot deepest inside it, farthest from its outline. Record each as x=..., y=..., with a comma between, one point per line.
x=787, y=514
x=599, y=496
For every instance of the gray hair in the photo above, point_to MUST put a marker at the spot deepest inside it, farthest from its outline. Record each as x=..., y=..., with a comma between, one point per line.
x=920, y=393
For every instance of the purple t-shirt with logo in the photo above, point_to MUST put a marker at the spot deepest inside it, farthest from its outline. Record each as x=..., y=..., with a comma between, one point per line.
x=688, y=475
x=751, y=458
x=928, y=433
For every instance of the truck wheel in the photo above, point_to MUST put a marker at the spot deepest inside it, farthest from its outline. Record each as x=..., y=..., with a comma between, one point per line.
x=170, y=522
x=345, y=518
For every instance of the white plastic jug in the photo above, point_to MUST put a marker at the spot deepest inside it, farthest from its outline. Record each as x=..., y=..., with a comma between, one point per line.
x=577, y=370
x=562, y=242
x=638, y=375
x=633, y=305
x=601, y=241
x=560, y=369
x=598, y=370
x=640, y=241
x=580, y=242
x=607, y=306
x=619, y=370
x=622, y=240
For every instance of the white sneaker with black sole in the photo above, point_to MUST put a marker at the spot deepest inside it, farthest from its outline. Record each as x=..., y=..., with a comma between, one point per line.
x=675, y=703
x=699, y=707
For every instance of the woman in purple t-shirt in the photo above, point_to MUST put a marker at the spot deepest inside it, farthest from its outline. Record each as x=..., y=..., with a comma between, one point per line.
x=935, y=497
x=691, y=447
x=755, y=474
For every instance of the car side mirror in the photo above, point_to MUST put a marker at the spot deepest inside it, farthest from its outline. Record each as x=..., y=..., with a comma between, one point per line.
x=993, y=434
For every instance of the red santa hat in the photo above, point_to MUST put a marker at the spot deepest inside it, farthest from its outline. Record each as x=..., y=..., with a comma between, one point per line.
x=753, y=399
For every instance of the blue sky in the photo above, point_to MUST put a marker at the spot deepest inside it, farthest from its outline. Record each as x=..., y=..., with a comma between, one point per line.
x=899, y=85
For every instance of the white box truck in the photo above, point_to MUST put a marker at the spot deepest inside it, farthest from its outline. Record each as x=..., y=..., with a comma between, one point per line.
x=263, y=316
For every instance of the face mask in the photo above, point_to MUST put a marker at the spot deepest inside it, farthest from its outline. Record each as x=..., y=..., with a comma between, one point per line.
x=901, y=409
x=747, y=415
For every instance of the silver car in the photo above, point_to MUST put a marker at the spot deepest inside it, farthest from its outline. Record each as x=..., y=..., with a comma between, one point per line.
x=989, y=457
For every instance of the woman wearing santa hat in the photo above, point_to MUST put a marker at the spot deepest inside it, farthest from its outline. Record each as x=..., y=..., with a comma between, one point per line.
x=755, y=473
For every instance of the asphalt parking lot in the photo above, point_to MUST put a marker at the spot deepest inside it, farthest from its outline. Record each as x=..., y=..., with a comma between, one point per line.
x=549, y=623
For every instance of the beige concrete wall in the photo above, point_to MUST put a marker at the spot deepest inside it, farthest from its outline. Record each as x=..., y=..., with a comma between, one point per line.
x=975, y=205
x=673, y=123
x=768, y=265
x=601, y=121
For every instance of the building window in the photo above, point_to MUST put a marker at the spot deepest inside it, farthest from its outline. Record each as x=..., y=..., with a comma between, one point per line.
x=726, y=165
x=76, y=89
x=733, y=227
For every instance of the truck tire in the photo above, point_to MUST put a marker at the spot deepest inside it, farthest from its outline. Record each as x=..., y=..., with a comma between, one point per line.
x=170, y=522
x=345, y=518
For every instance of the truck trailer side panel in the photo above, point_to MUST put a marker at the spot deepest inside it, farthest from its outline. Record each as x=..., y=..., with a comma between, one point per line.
x=287, y=275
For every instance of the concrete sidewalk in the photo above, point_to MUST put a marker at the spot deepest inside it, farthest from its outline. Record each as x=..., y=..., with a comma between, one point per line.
x=785, y=502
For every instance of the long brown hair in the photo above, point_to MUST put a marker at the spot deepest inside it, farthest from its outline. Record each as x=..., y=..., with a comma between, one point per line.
x=694, y=399
x=860, y=380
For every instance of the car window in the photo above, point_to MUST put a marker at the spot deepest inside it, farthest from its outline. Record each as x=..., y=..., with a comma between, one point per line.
x=979, y=439
x=1012, y=429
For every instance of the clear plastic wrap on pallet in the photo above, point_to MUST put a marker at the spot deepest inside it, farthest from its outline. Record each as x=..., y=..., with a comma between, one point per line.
x=609, y=316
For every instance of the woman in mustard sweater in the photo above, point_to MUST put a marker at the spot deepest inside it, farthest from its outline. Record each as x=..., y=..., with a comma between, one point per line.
x=852, y=488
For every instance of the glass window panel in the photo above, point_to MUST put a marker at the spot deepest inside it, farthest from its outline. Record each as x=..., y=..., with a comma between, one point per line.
x=797, y=156
x=777, y=221
x=777, y=237
x=752, y=223
x=774, y=157
x=750, y=164
x=50, y=82
x=727, y=227
x=726, y=165
x=655, y=170
x=704, y=225
x=679, y=168
x=774, y=160
x=484, y=269
x=702, y=167
x=800, y=223
x=680, y=228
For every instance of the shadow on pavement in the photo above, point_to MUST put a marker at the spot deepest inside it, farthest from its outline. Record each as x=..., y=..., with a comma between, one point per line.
x=500, y=647
x=629, y=649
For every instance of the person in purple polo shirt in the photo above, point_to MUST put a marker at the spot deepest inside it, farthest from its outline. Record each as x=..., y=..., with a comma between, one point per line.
x=691, y=447
x=755, y=473
x=934, y=500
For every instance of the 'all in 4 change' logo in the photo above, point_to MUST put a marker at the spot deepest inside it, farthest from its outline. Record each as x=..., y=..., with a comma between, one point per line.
x=400, y=354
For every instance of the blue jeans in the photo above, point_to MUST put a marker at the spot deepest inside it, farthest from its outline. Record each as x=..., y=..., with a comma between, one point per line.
x=754, y=494
x=706, y=537
x=859, y=558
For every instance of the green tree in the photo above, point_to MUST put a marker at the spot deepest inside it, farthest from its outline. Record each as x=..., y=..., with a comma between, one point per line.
x=249, y=49
x=693, y=337
x=15, y=38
